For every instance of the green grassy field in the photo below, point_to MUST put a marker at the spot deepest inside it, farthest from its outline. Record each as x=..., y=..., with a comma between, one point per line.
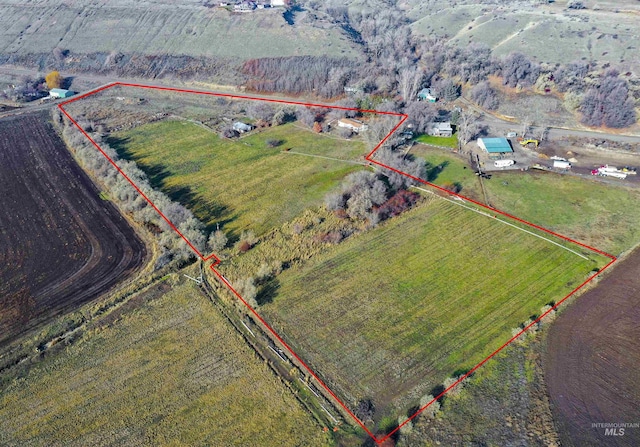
x=240, y=184
x=589, y=211
x=391, y=313
x=171, y=372
x=602, y=215
x=451, y=141
x=453, y=170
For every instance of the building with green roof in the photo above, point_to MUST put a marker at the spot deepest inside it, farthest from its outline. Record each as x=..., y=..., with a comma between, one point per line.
x=495, y=147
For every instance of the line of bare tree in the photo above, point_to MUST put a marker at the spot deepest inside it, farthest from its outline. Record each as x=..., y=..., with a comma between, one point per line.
x=173, y=248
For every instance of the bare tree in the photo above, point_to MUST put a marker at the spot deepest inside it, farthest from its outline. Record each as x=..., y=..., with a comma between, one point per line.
x=609, y=103
x=421, y=114
x=409, y=81
x=467, y=126
x=526, y=124
x=541, y=133
x=246, y=288
x=217, y=241
x=518, y=69
x=485, y=96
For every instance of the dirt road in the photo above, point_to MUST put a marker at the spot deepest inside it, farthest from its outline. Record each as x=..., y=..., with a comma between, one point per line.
x=554, y=133
x=592, y=361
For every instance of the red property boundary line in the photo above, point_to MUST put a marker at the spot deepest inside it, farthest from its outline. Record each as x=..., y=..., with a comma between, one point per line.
x=369, y=157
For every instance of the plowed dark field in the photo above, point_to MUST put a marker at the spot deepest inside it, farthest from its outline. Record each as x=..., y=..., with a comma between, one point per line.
x=592, y=361
x=60, y=244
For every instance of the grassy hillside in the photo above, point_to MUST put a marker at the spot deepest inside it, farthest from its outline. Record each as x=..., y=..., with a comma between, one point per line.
x=391, y=313
x=241, y=184
x=172, y=372
x=157, y=28
x=547, y=32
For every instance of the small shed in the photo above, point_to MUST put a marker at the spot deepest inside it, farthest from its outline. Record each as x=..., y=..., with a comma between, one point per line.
x=60, y=93
x=495, y=147
x=242, y=127
x=426, y=94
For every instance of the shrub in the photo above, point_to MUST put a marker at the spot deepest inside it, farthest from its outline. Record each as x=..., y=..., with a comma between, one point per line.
x=398, y=203
x=229, y=132
x=260, y=110
x=575, y=4
x=432, y=410
x=483, y=95
x=243, y=246
x=217, y=241
x=517, y=69
x=282, y=116
x=271, y=143
x=456, y=389
x=249, y=237
x=335, y=201
x=365, y=410
x=453, y=187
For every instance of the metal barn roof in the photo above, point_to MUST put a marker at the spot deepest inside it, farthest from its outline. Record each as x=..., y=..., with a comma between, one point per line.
x=495, y=145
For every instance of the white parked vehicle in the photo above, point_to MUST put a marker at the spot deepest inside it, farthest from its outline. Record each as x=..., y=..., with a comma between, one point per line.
x=504, y=163
x=561, y=164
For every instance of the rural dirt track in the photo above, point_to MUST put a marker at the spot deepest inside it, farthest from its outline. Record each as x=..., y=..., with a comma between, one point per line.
x=60, y=244
x=592, y=360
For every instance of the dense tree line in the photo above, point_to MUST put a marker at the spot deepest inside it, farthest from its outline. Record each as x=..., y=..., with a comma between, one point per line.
x=608, y=103
x=172, y=246
x=399, y=64
x=322, y=75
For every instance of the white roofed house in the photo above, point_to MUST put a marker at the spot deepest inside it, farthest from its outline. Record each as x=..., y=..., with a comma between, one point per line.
x=440, y=129
x=354, y=125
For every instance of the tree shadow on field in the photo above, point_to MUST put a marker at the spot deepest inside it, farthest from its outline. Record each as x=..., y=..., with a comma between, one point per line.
x=434, y=170
x=437, y=391
x=204, y=210
x=66, y=82
x=268, y=292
